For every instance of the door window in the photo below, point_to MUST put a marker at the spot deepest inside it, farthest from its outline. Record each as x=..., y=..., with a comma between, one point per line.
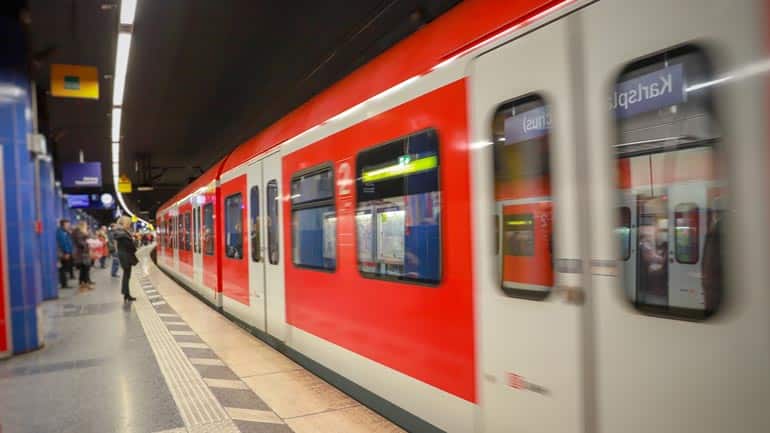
x=187, y=231
x=272, y=221
x=254, y=228
x=208, y=229
x=665, y=150
x=521, y=131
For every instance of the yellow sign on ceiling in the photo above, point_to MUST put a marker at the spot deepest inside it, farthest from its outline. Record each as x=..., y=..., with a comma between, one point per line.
x=74, y=81
x=124, y=184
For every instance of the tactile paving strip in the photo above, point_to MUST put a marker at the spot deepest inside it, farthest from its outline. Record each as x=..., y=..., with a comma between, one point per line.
x=185, y=369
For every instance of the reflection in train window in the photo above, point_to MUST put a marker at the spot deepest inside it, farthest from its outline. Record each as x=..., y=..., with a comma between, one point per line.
x=624, y=232
x=521, y=136
x=196, y=229
x=314, y=220
x=519, y=235
x=398, y=212
x=234, y=226
x=187, y=231
x=254, y=228
x=272, y=200
x=208, y=229
x=687, y=233
x=667, y=132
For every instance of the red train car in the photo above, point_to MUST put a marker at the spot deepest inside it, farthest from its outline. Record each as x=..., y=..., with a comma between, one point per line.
x=527, y=216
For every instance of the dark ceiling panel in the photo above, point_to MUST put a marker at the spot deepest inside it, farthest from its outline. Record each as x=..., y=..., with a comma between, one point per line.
x=206, y=75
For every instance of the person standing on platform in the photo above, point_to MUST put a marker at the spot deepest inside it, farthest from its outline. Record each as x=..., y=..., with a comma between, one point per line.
x=64, y=247
x=81, y=255
x=126, y=254
x=113, y=250
x=102, y=235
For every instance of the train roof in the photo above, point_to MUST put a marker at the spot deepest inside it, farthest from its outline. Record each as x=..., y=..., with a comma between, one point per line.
x=462, y=27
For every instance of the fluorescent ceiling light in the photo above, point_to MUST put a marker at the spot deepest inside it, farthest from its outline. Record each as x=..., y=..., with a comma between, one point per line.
x=116, y=113
x=115, y=150
x=121, y=67
x=127, y=11
x=115, y=169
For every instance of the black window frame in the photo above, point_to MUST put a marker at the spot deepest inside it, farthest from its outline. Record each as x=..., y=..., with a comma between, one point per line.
x=273, y=229
x=255, y=238
x=705, y=63
x=629, y=227
x=537, y=99
x=439, y=189
x=187, y=218
x=692, y=205
x=314, y=204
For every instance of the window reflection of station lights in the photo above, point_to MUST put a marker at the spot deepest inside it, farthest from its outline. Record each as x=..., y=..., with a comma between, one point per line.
x=405, y=166
x=519, y=222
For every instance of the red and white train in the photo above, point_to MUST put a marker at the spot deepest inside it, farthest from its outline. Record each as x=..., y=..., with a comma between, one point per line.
x=529, y=216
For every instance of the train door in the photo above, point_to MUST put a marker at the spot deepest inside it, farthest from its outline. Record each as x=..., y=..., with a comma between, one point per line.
x=273, y=253
x=256, y=250
x=527, y=239
x=197, y=250
x=175, y=240
x=674, y=110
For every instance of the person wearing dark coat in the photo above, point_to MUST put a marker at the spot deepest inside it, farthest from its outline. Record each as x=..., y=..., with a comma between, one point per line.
x=64, y=248
x=126, y=254
x=81, y=256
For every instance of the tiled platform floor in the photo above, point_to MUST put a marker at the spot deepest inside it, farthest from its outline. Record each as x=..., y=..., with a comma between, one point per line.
x=166, y=364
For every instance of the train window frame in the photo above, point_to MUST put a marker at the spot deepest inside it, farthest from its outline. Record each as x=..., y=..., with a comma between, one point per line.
x=255, y=236
x=539, y=99
x=273, y=206
x=207, y=252
x=670, y=57
x=187, y=231
x=326, y=202
x=379, y=208
x=226, y=202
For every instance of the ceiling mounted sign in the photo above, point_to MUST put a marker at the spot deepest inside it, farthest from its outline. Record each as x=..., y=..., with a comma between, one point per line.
x=81, y=174
x=124, y=184
x=74, y=81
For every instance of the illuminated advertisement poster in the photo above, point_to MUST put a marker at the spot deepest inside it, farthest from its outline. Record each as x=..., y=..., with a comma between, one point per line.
x=329, y=235
x=390, y=235
x=365, y=236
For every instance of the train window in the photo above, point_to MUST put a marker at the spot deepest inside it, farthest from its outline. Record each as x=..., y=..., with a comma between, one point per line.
x=180, y=232
x=624, y=232
x=666, y=157
x=234, y=226
x=208, y=229
x=187, y=231
x=521, y=135
x=196, y=229
x=314, y=219
x=687, y=233
x=398, y=210
x=254, y=228
x=273, y=201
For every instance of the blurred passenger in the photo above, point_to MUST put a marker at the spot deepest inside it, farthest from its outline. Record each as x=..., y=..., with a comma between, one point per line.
x=126, y=253
x=102, y=236
x=81, y=255
x=64, y=250
x=113, y=250
x=712, y=266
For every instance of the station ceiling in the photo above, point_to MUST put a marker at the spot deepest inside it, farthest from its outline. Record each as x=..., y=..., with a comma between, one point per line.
x=203, y=75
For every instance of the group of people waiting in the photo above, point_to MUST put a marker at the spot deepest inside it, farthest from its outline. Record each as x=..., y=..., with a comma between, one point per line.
x=82, y=248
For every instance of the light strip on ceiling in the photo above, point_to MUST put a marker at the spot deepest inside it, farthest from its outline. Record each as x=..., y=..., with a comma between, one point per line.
x=121, y=67
x=127, y=13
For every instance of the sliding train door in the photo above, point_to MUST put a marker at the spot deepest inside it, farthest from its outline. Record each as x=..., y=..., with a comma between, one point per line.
x=196, y=240
x=676, y=162
x=256, y=251
x=273, y=257
x=527, y=235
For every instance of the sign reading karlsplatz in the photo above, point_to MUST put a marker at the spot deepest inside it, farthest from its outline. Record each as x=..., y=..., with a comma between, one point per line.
x=648, y=92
